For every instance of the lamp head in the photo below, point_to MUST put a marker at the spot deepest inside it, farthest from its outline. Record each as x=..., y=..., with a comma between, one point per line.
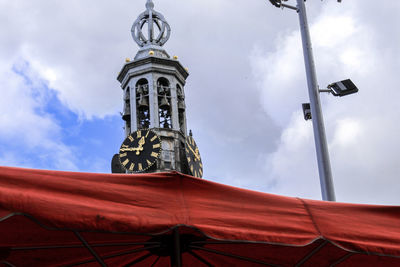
x=276, y=3
x=342, y=88
x=306, y=111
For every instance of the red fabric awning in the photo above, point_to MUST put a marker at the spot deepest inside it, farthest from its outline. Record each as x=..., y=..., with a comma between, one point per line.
x=53, y=218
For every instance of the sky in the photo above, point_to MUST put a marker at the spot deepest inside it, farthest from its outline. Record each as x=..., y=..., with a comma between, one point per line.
x=60, y=100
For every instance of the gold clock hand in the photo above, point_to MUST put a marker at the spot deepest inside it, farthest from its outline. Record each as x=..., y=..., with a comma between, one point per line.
x=142, y=141
x=195, y=154
x=131, y=149
x=138, y=149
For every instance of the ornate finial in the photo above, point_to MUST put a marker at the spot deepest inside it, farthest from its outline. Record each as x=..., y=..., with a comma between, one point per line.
x=158, y=30
x=149, y=4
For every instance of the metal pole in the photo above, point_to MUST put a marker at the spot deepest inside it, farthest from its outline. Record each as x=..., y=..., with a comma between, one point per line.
x=324, y=167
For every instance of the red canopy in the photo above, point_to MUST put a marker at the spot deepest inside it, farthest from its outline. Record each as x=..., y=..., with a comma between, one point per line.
x=53, y=218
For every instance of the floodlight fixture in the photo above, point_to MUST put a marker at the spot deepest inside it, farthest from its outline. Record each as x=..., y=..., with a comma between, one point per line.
x=342, y=88
x=278, y=3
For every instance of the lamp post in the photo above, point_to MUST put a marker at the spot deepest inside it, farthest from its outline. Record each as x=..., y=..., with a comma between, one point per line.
x=324, y=166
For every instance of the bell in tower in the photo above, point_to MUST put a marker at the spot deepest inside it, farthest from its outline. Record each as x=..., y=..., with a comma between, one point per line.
x=154, y=105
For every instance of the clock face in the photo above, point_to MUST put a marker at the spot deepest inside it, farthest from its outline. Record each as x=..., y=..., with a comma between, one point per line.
x=193, y=157
x=140, y=150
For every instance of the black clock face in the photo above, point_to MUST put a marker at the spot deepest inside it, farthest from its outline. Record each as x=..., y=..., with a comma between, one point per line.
x=193, y=157
x=140, y=150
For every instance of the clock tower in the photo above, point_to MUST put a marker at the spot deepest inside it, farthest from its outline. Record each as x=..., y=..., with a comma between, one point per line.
x=153, y=87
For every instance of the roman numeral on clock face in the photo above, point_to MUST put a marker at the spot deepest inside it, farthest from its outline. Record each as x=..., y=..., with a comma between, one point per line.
x=157, y=145
x=125, y=162
x=132, y=166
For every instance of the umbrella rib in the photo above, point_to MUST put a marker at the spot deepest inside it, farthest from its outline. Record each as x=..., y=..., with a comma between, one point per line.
x=126, y=244
x=7, y=264
x=86, y=244
x=112, y=255
x=79, y=246
x=234, y=256
x=154, y=263
x=308, y=256
x=138, y=260
x=345, y=257
x=218, y=242
x=197, y=256
x=130, y=251
x=78, y=263
x=46, y=247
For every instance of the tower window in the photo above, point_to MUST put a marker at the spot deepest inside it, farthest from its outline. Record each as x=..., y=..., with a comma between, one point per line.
x=142, y=104
x=126, y=115
x=164, y=103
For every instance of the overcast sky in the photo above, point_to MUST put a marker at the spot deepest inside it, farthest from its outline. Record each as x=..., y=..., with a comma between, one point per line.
x=60, y=101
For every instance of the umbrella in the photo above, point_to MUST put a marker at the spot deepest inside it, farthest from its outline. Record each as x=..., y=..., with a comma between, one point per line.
x=54, y=218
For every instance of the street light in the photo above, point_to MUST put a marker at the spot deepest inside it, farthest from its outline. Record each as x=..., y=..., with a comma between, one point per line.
x=278, y=3
x=342, y=88
x=324, y=166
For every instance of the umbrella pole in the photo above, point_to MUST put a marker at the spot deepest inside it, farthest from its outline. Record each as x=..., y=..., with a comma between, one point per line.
x=176, y=255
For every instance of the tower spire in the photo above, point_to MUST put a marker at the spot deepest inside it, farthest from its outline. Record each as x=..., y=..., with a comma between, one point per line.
x=149, y=4
x=158, y=29
x=150, y=7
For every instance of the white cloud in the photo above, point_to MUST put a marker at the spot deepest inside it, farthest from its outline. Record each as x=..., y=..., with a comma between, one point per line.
x=281, y=77
x=292, y=166
x=347, y=132
x=24, y=127
x=68, y=44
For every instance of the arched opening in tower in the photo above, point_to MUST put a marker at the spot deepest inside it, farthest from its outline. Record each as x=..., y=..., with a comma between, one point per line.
x=181, y=108
x=142, y=104
x=164, y=103
x=126, y=116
